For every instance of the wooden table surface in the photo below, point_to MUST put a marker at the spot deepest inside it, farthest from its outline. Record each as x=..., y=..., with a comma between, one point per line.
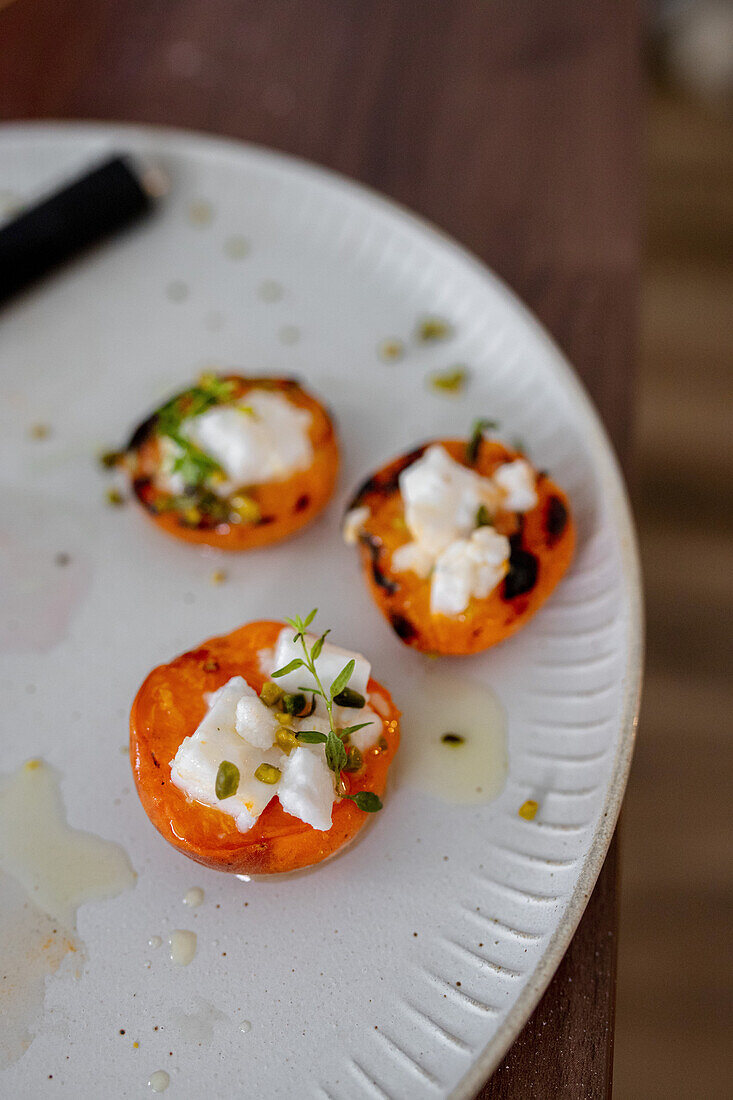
x=512, y=124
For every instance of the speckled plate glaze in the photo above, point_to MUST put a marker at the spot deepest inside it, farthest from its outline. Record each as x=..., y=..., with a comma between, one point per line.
x=408, y=966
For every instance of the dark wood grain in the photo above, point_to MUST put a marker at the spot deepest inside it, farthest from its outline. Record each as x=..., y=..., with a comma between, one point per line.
x=512, y=124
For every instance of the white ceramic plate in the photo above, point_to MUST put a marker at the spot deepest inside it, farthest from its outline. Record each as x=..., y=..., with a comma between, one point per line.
x=344, y=999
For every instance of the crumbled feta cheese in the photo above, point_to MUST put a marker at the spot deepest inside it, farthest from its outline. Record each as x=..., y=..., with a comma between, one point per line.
x=195, y=765
x=306, y=787
x=354, y=520
x=468, y=567
x=328, y=665
x=441, y=499
x=255, y=722
x=264, y=437
x=365, y=738
x=413, y=557
x=238, y=727
x=517, y=482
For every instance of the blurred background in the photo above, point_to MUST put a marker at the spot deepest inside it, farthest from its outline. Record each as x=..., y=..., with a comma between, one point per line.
x=675, y=977
x=673, y=1021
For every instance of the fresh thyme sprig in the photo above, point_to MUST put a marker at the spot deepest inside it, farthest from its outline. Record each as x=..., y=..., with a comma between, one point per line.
x=336, y=757
x=195, y=466
x=477, y=434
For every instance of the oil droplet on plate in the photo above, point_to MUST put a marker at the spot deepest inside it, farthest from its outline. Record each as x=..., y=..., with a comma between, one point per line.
x=177, y=291
x=200, y=212
x=155, y=941
x=469, y=767
x=193, y=897
x=245, y=1027
x=182, y=946
x=270, y=291
x=289, y=334
x=196, y=1028
x=159, y=1081
x=48, y=871
x=236, y=247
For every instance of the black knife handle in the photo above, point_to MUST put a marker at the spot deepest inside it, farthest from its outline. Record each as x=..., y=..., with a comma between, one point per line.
x=57, y=228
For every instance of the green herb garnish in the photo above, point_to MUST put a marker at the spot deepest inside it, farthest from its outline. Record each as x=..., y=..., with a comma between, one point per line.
x=227, y=780
x=452, y=739
x=477, y=434
x=335, y=751
x=195, y=466
x=311, y=737
x=367, y=801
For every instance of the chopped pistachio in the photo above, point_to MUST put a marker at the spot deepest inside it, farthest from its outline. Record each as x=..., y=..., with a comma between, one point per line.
x=267, y=773
x=483, y=519
x=192, y=516
x=293, y=703
x=245, y=509
x=218, y=576
x=391, y=350
x=354, y=759
x=200, y=212
x=114, y=497
x=286, y=740
x=227, y=780
x=271, y=693
x=284, y=719
x=433, y=328
x=349, y=698
x=449, y=381
x=528, y=810
x=210, y=665
x=110, y=459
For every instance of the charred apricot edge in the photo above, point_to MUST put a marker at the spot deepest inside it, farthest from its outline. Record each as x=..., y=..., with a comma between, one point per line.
x=170, y=705
x=284, y=506
x=542, y=543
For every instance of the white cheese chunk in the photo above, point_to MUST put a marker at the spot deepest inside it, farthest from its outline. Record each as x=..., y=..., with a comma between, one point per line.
x=238, y=727
x=441, y=499
x=517, y=482
x=262, y=438
x=469, y=567
x=306, y=787
x=195, y=765
x=328, y=664
x=354, y=520
x=365, y=738
x=413, y=557
x=255, y=722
